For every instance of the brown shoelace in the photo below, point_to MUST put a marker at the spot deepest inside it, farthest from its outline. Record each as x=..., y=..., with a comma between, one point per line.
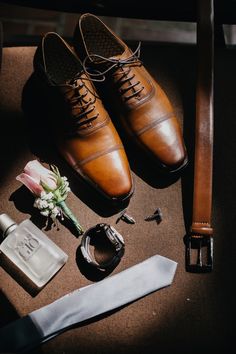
x=121, y=70
x=81, y=105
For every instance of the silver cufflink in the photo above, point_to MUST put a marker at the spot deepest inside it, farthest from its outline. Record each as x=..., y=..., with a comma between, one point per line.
x=125, y=217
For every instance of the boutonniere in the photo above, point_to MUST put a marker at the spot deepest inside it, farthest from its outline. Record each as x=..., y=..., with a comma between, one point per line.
x=50, y=190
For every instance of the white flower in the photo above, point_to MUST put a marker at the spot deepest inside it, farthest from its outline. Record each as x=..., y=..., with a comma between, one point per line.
x=43, y=194
x=47, y=196
x=36, y=202
x=44, y=212
x=54, y=212
x=50, y=206
x=42, y=204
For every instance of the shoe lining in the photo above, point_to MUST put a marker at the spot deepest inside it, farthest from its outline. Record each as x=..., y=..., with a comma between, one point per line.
x=61, y=64
x=99, y=40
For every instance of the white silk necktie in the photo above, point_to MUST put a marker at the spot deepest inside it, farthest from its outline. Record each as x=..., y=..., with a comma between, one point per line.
x=113, y=292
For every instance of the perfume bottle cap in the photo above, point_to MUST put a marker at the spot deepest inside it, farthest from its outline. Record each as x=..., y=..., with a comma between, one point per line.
x=7, y=225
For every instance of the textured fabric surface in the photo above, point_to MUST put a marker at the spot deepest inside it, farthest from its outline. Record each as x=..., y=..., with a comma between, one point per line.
x=195, y=313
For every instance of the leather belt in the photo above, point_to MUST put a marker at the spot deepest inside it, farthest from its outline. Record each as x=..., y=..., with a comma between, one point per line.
x=201, y=232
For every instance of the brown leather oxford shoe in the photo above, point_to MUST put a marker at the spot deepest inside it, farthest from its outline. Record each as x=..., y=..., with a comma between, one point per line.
x=144, y=109
x=84, y=133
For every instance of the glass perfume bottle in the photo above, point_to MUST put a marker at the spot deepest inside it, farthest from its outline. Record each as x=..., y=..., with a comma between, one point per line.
x=31, y=250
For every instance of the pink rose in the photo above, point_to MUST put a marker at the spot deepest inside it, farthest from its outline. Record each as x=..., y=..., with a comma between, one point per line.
x=35, y=173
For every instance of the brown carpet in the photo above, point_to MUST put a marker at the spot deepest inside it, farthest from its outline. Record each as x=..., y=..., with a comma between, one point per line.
x=194, y=314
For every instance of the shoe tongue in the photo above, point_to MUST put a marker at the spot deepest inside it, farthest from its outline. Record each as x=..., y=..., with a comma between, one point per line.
x=69, y=87
x=73, y=82
x=75, y=78
x=126, y=54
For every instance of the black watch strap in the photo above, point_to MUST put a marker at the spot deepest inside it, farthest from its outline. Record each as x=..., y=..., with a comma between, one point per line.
x=112, y=235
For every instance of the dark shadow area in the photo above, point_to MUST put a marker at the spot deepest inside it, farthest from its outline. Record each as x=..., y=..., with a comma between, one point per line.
x=1, y=40
x=23, y=200
x=8, y=312
x=37, y=103
x=224, y=174
x=185, y=61
x=10, y=337
x=12, y=141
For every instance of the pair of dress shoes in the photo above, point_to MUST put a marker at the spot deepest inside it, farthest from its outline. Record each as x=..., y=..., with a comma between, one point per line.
x=84, y=133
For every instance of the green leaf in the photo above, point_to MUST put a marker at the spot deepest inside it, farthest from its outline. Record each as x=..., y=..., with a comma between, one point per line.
x=45, y=187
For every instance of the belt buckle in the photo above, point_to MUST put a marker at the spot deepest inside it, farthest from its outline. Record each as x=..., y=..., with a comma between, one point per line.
x=199, y=243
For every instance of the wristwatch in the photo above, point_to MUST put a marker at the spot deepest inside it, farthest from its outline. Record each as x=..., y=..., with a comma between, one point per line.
x=112, y=235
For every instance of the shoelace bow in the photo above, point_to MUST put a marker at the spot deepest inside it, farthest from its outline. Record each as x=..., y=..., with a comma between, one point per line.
x=123, y=74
